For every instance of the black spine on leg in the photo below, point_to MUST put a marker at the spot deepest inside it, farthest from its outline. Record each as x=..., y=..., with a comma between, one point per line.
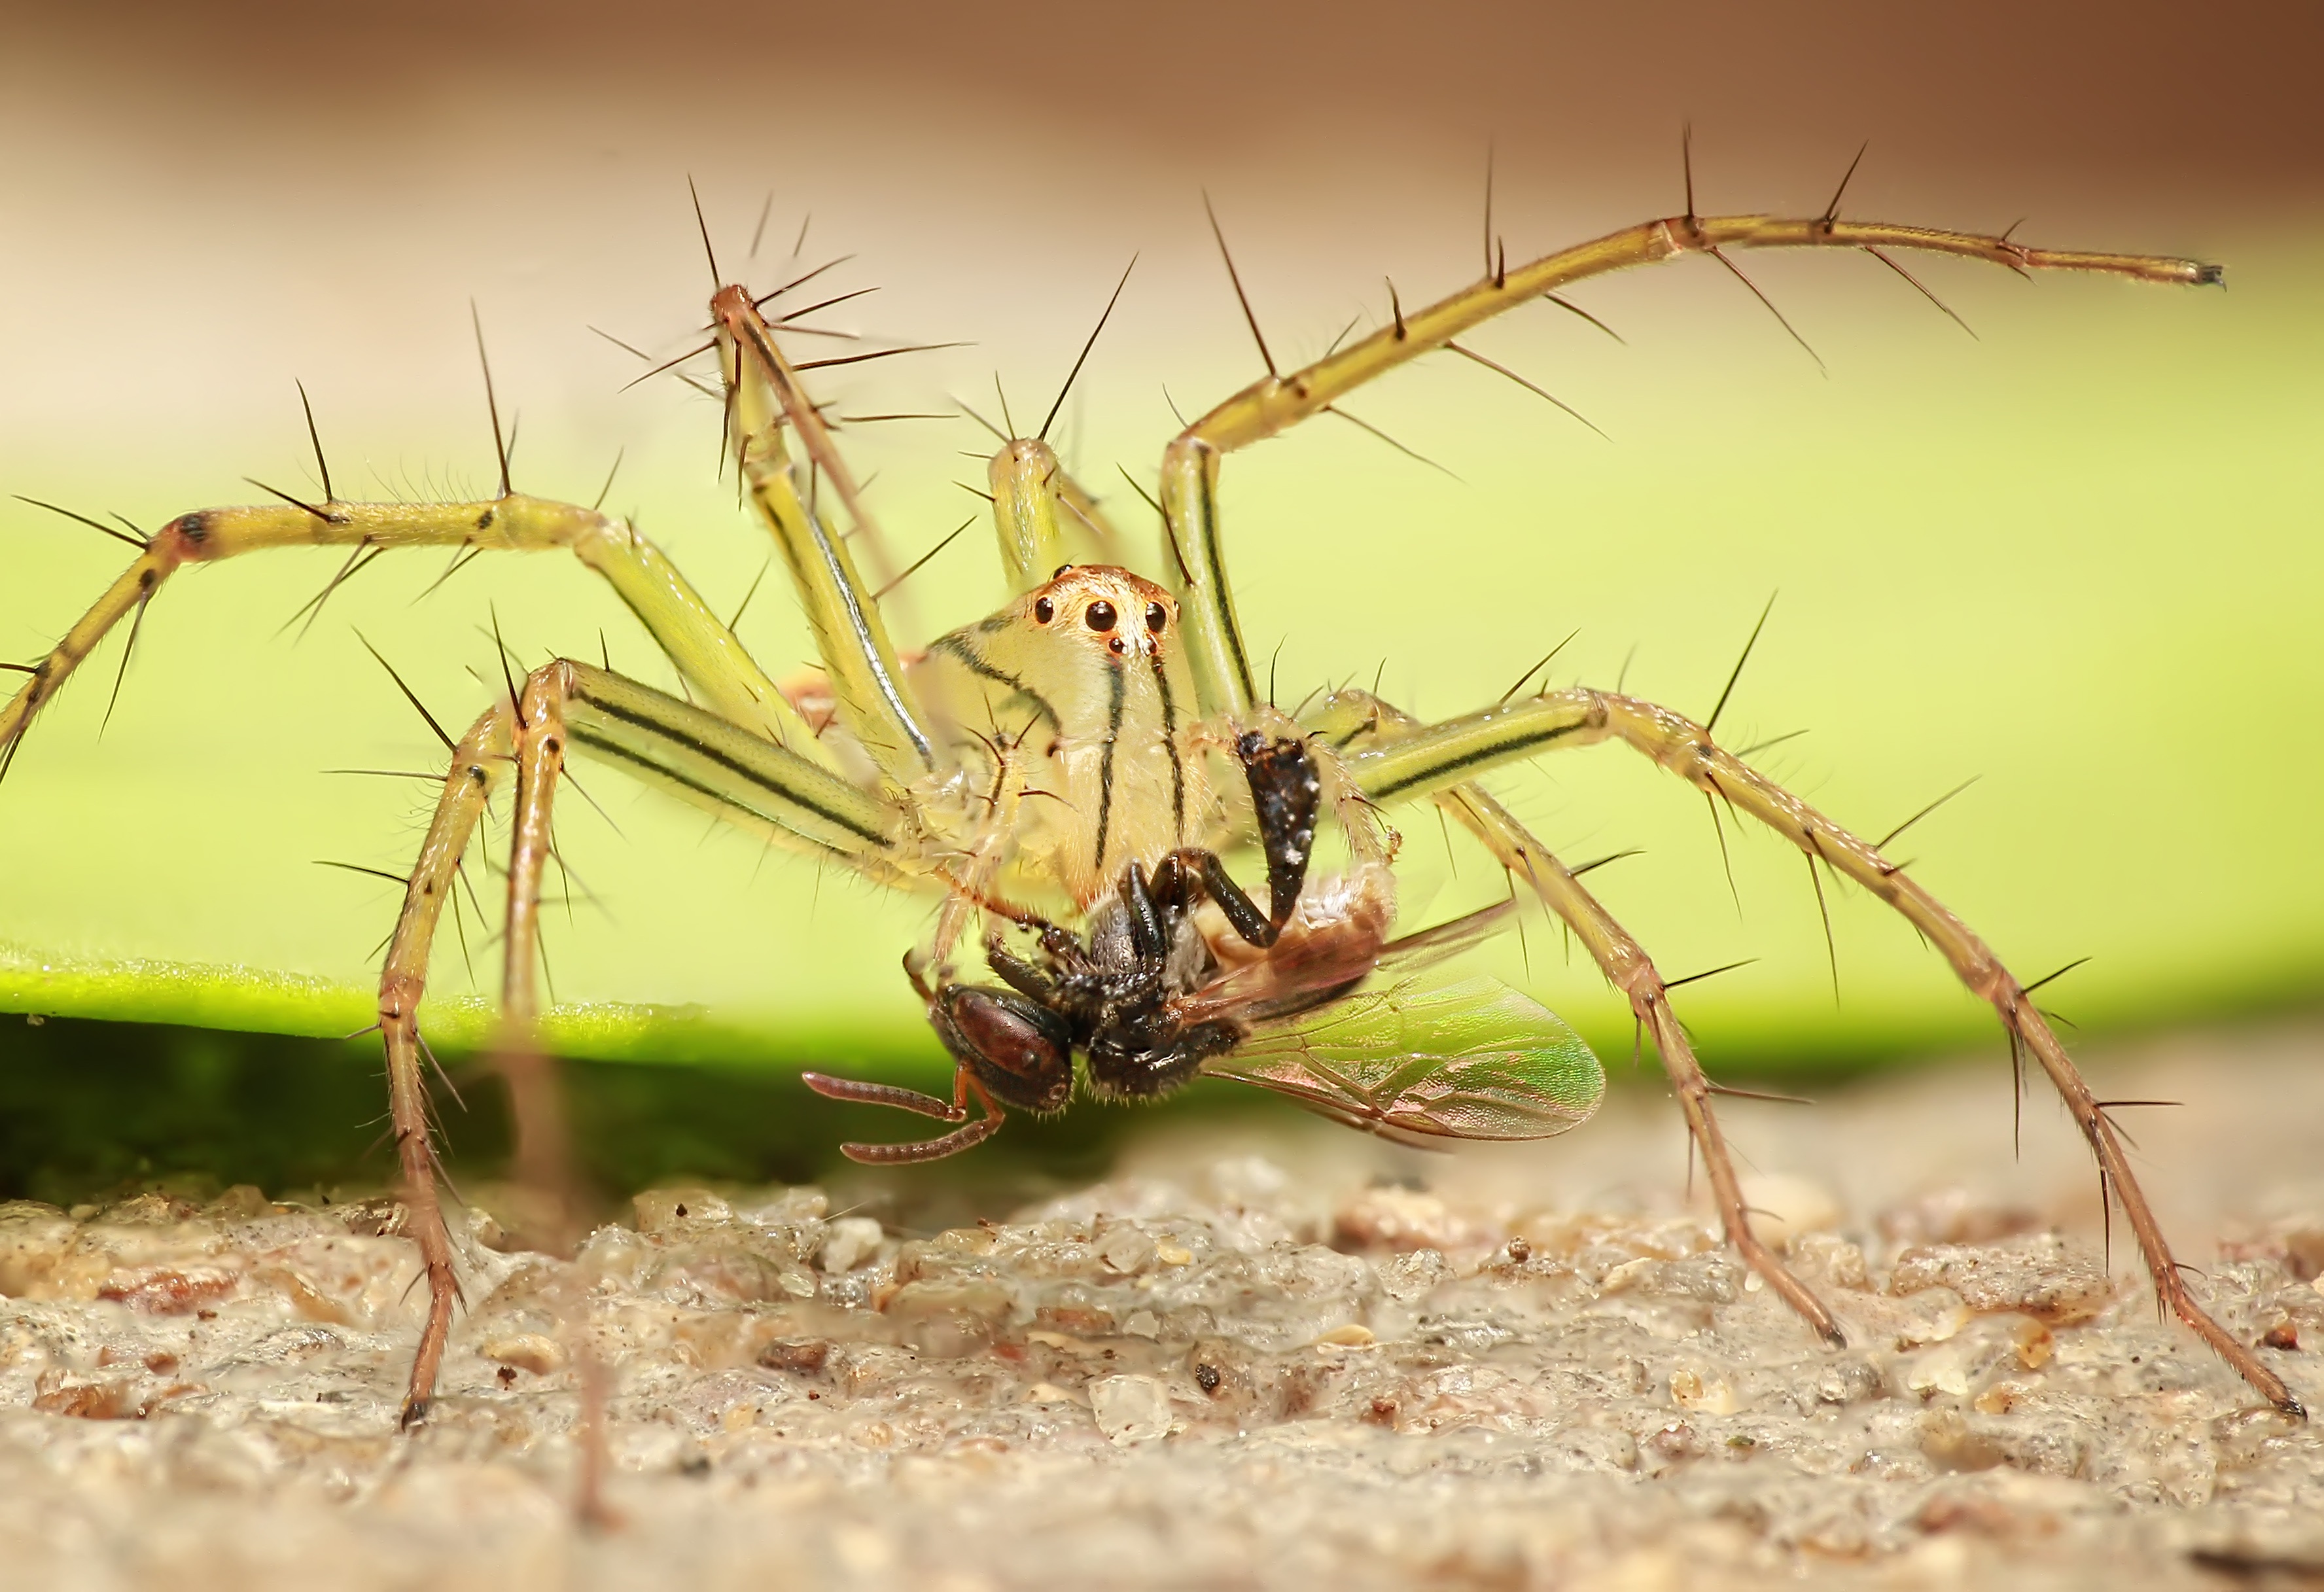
x=1285, y=792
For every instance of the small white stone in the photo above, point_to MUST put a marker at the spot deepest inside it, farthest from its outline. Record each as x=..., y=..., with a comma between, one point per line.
x=848, y=1243
x=1782, y=1207
x=1130, y=1409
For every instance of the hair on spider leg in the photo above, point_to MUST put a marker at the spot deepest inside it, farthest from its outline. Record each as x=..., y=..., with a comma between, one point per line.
x=1886, y=259
x=800, y=281
x=914, y=567
x=501, y=447
x=1082, y=359
x=1408, y=452
x=807, y=364
x=1235, y=277
x=140, y=542
x=366, y=551
x=1711, y=724
x=1570, y=308
x=1831, y=210
x=1670, y=984
x=1612, y=856
x=322, y=464
x=1540, y=664
x=744, y=606
x=1882, y=844
x=1541, y=393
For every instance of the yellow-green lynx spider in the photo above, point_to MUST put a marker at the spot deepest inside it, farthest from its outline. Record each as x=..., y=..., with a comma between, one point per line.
x=1067, y=772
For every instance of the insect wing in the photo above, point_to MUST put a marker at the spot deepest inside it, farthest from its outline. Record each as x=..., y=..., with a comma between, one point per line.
x=1475, y=1060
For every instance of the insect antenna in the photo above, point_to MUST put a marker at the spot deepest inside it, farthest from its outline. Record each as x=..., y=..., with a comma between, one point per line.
x=139, y=542
x=1537, y=668
x=924, y=558
x=1541, y=393
x=1043, y=434
x=492, y=400
x=322, y=464
x=410, y=695
x=1392, y=442
x=1882, y=844
x=1710, y=723
x=1241, y=297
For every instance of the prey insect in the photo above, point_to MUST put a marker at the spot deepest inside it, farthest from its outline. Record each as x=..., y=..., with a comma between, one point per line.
x=1073, y=770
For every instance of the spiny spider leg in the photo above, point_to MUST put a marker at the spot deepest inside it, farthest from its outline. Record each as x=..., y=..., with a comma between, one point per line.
x=1278, y=402
x=767, y=407
x=1356, y=720
x=704, y=651
x=562, y=707
x=1455, y=751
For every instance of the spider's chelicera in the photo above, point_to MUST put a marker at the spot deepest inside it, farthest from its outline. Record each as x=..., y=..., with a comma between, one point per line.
x=1071, y=771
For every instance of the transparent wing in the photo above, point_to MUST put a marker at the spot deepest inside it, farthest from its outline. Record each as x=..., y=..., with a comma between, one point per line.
x=1475, y=1060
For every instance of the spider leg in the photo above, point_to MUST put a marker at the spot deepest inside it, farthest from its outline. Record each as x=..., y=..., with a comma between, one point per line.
x=1282, y=398
x=1356, y=720
x=1440, y=757
x=722, y=674
x=562, y=708
x=767, y=409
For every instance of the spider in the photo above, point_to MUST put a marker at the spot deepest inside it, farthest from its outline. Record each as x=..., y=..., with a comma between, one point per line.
x=1074, y=768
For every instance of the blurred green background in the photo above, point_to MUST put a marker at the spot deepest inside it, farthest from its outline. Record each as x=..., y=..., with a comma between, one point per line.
x=2076, y=556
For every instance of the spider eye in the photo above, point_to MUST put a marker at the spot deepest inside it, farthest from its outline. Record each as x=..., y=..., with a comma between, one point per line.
x=1059, y=572
x=1101, y=616
x=1044, y=610
x=1157, y=616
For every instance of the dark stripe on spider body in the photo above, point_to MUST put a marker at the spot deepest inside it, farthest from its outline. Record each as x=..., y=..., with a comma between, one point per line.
x=1498, y=749
x=956, y=646
x=755, y=776
x=1117, y=687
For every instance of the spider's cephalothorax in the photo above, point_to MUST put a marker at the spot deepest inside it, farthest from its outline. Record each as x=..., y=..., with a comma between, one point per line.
x=1058, y=753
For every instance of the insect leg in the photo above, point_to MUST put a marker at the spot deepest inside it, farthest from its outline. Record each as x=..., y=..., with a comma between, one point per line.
x=1445, y=755
x=703, y=648
x=1281, y=400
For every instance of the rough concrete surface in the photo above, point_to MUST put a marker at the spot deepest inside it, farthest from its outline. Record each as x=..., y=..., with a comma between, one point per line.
x=1264, y=1356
